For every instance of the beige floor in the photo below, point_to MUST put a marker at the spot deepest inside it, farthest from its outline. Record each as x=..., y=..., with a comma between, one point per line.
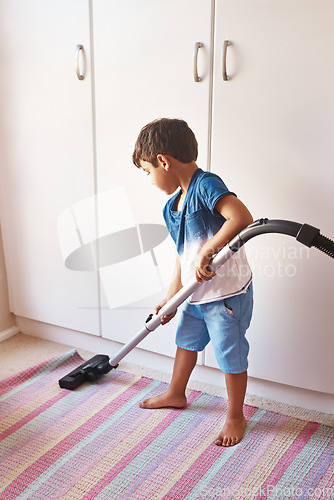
x=22, y=351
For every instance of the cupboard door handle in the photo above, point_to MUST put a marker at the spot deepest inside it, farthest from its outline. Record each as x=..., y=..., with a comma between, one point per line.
x=198, y=45
x=80, y=74
x=227, y=44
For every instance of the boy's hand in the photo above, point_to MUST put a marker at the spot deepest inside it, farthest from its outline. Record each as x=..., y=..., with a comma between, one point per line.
x=164, y=319
x=203, y=271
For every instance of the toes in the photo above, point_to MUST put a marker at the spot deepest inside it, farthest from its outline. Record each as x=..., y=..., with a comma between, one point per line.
x=227, y=441
x=234, y=441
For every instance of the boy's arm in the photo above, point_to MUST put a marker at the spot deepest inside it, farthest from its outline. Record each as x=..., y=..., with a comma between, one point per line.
x=175, y=286
x=237, y=218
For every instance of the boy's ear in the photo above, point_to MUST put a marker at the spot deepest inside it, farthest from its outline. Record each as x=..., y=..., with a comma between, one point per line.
x=163, y=161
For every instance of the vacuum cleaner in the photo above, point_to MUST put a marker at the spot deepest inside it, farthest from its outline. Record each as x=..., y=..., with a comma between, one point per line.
x=101, y=364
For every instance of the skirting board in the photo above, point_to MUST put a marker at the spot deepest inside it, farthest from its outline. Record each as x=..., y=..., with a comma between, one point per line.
x=287, y=395
x=10, y=332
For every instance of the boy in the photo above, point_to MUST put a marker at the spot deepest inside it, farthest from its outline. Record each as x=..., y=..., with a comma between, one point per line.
x=201, y=217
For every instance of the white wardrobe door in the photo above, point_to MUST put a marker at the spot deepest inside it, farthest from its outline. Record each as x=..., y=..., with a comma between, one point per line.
x=273, y=123
x=144, y=69
x=47, y=159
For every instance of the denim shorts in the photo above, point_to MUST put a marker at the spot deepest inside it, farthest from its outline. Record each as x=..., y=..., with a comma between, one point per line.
x=224, y=322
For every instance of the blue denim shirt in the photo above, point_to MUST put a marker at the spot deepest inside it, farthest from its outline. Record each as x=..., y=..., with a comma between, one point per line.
x=195, y=224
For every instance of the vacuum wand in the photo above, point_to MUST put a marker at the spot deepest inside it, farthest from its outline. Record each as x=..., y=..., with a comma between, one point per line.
x=101, y=364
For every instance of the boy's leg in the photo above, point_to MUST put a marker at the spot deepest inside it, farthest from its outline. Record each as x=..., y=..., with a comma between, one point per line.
x=175, y=396
x=235, y=422
x=227, y=322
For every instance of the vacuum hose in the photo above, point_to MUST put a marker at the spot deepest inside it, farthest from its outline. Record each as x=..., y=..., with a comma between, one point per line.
x=324, y=244
x=304, y=233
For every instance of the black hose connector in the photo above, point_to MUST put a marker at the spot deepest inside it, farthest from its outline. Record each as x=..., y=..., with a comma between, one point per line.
x=311, y=237
x=307, y=234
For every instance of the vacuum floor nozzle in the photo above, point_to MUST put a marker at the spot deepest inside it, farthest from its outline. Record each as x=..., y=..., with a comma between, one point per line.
x=90, y=371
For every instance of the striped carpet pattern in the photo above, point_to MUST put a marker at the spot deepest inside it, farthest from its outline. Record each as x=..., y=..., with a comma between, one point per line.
x=97, y=443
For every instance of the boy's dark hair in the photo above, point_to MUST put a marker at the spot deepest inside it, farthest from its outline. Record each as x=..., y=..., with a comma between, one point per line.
x=167, y=136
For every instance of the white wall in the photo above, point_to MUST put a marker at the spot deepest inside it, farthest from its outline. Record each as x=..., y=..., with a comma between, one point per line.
x=7, y=320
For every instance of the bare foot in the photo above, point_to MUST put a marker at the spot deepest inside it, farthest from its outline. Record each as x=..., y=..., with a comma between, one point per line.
x=165, y=400
x=232, y=431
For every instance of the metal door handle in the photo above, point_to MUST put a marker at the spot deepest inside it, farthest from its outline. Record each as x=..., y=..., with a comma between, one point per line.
x=80, y=74
x=198, y=45
x=226, y=77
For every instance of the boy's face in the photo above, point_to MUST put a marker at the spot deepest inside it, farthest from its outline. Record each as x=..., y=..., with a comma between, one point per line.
x=161, y=176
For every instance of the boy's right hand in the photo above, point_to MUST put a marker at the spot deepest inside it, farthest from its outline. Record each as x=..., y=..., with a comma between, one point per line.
x=164, y=319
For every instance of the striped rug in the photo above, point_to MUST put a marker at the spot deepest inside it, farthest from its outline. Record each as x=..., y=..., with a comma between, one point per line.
x=97, y=443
